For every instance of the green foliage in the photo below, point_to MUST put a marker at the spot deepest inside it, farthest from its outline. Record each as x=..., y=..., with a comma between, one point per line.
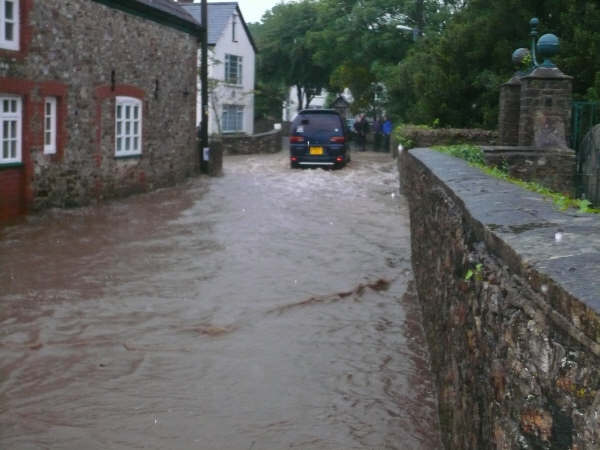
x=477, y=273
x=475, y=157
x=286, y=56
x=470, y=153
x=449, y=76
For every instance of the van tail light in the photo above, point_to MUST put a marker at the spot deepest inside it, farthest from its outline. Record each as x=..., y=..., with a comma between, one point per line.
x=296, y=139
x=338, y=139
x=339, y=159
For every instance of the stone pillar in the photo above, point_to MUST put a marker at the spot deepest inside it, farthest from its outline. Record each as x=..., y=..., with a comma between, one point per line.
x=508, y=116
x=545, y=111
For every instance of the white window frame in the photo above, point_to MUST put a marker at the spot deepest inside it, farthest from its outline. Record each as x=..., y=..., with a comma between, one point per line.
x=232, y=118
x=11, y=118
x=128, y=126
x=50, y=121
x=233, y=73
x=14, y=22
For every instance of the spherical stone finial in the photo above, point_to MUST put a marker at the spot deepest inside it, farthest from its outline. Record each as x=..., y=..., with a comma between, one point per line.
x=534, y=22
x=519, y=55
x=548, y=46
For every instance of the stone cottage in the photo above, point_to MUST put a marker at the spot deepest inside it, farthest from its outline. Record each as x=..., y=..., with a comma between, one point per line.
x=97, y=100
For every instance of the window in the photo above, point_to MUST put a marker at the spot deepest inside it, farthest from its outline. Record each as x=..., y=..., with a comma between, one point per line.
x=128, y=126
x=233, y=69
x=50, y=125
x=9, y=24
x=233, y=23
x=10, y=129
x=233, y=118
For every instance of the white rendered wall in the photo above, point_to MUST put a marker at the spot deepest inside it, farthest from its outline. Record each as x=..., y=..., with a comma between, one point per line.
x=228, y=93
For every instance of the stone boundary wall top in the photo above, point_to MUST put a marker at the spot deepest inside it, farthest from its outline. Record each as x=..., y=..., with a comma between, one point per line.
x=426, y=137
x=510, y=293
x=241, y=144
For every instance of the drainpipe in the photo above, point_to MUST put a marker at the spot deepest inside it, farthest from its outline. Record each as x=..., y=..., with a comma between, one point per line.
x=205, y=151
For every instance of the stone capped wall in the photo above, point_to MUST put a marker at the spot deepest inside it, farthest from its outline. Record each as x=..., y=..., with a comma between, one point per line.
x=553, y=168
x=426, y=137
x=268, y=142
x=96, y=53
x=511, y=301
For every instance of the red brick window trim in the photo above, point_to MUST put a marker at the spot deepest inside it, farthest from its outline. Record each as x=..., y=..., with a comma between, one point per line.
x=116, y=94
x=15, y=30
x=56, y=93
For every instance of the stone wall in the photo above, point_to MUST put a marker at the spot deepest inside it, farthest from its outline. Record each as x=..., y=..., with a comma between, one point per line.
x=86, y=54
x=553, y=168
x=545, y=108
x=426, y=137
x=511, y=300
x=268, y=142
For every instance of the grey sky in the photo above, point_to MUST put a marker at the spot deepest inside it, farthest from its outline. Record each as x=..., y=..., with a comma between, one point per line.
x=253, y=10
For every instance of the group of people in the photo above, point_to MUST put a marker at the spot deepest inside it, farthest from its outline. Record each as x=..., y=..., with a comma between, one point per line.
x=382, y=130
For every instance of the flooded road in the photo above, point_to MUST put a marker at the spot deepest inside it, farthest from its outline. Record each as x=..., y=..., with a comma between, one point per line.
x=267, y=309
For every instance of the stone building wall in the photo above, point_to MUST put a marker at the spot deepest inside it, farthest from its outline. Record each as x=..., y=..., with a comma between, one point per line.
x=510, y=298
x=86, y=54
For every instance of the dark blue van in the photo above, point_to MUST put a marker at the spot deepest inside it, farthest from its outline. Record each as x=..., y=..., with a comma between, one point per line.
x=318, y=137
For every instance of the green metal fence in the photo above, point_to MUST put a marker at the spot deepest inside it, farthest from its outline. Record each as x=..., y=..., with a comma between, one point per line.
x=584, y=116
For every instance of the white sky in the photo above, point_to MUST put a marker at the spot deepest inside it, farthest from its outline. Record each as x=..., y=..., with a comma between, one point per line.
x=253, y=10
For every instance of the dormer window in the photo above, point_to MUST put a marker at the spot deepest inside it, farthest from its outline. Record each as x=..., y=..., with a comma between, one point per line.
x=9, y=24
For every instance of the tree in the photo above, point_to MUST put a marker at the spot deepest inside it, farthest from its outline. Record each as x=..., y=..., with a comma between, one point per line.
x=286, y=57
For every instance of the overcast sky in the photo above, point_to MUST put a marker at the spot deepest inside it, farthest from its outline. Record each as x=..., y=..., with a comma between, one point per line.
x=253, y=10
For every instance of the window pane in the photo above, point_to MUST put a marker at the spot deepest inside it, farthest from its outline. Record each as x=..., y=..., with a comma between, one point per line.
x=135, y=128
x=5, y=106
x=5, y=129
x=8, y=32
x=135, y=112
x=47, y=136
x=5, y=150
x=127, y=128
x=119, y=128
x=9, y=10
x=127, y=112
x=13, y=106
x=119, y=144
x=13, y=149
x=119, y=114
x=13, y=129
x=127, y=144
x=135, y=143
x=48, y=108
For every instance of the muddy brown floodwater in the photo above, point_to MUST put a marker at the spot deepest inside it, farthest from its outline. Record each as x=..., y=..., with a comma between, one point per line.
x=268, y=309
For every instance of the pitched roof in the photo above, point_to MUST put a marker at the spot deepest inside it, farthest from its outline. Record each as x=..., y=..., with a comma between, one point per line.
x=169, y=7
x=165, y=12
x=218, y=16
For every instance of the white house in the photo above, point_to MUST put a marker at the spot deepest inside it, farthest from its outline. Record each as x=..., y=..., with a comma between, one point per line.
x=231, y=68
x=290, y=105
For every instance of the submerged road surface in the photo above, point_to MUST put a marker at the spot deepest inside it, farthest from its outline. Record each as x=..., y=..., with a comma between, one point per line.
x=268, y=309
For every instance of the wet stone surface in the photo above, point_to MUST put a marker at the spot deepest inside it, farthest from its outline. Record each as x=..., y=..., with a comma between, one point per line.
x=268, y=309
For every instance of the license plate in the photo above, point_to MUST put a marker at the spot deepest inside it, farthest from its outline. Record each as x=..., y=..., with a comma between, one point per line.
x=316, y=150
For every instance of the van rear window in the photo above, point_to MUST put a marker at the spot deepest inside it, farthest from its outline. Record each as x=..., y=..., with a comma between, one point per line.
x=318, y=123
